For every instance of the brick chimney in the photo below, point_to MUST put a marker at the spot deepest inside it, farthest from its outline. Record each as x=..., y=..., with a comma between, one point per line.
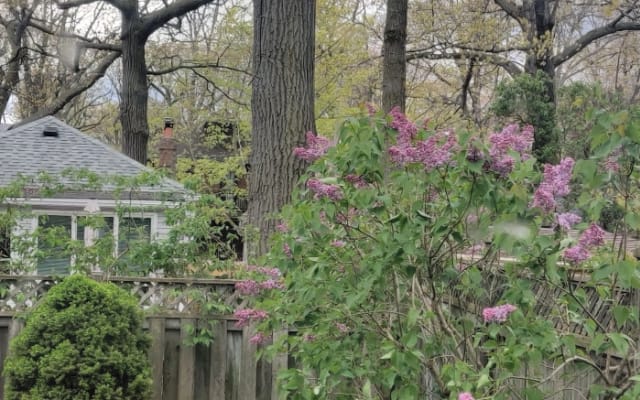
x=168, y=148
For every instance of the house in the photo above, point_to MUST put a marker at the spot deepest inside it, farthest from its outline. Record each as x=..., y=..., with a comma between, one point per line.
x=48, y=154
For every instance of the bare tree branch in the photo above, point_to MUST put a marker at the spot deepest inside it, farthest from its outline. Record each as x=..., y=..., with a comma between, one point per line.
x=70, y=93
x=512, y=9
x=151, y=22
x=592, y=36
x=192, y=66
x=512, y=68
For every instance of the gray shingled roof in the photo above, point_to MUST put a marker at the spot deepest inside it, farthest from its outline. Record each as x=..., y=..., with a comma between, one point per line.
x=25, y=152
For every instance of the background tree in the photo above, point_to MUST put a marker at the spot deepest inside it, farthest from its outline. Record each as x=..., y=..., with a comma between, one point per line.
x=394, y=63
x=549, y=34
x=137, y=23
x=282, y=106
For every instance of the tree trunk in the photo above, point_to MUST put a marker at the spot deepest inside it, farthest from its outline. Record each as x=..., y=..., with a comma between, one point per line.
x=133, y=104
x=394, y=64
x=542, y=21
x=282, y=107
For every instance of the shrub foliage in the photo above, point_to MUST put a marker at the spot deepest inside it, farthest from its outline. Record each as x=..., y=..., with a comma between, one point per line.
x=83, y=341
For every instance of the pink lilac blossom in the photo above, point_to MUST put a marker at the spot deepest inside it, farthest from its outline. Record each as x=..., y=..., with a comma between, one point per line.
x=248, y=287
x=434, y=152
x=576, y=254
x=356, y=180
x=465, y=396
x=332, y=192
x=338, y=243
x=258, y=338
x=511, y=138
x=271, y=284
x=554, y=185
x=567, y=220
x=407, y=130
x=316, y=147
x=248, y=315
x=274, y=273
x=342, y=327
x=309, y=337
x=282, y=227
x=498, y=313
x=592, y=236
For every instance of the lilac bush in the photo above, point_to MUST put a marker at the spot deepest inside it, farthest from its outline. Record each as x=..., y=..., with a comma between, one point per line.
x=413, y=267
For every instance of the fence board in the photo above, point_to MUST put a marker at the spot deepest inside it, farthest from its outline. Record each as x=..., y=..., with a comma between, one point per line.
x=156, y=355
x=171, y=365
x=248, y=365
x=218, y=352
x=186, y=362
x=232, y=373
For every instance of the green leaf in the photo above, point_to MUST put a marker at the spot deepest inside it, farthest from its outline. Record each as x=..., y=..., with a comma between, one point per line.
x=412, y=317
x=620, y=343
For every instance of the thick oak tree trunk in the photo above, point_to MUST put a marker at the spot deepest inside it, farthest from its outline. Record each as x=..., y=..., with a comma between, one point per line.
x=282, y=107
x=394, y=65
x=133, y=104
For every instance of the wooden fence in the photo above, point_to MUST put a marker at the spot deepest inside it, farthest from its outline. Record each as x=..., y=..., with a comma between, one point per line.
x=226, y=369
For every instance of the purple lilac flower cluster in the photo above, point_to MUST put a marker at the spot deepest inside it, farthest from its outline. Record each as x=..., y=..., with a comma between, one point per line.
x=434, y=152
x=407, y=130
x=554, y=185
x=248, y=315
x=316, y=147
x=252, y=287
x=498, y=313
x=465, y=396
x=332, y=192
x=511, y=138
x=356, y=180
x=567, y=220
x=591, y=237
x=258, y=338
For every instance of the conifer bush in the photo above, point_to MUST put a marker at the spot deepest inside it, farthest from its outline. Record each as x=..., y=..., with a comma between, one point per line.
x=83, y=341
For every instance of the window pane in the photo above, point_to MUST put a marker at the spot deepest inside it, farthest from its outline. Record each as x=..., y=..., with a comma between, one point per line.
x=55, y=230
x=132, y=231
x=102, y=228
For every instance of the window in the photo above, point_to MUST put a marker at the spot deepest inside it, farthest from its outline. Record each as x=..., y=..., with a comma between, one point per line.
x=5, y=243
x=55, y=232
x=133, y=231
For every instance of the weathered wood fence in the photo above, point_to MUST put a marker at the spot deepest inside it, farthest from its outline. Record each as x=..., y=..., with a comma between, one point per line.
x=226, y=369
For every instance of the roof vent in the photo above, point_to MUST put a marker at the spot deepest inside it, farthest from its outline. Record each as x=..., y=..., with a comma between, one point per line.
x=50, y=131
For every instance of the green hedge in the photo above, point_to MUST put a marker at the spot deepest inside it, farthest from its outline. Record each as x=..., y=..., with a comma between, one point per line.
x=84, y=340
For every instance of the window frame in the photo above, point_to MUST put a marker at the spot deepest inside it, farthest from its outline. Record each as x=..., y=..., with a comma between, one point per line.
x=153, y=226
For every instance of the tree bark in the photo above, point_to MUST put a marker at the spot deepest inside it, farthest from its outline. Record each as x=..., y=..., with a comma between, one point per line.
x=134, y=97
x=394, y=64
x=542, y=21
x=282, y=107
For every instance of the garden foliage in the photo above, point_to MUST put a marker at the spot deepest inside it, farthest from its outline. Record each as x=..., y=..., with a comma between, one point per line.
x=83, y=341
x=413, y=266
